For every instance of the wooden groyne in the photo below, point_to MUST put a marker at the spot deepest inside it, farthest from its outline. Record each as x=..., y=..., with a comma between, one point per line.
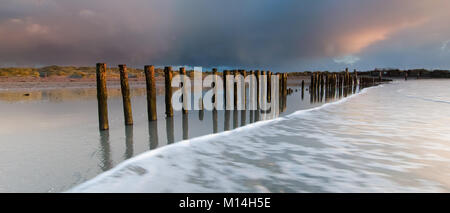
x=322, y=86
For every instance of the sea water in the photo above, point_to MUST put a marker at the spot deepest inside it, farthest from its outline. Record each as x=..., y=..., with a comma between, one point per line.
x=390, y=138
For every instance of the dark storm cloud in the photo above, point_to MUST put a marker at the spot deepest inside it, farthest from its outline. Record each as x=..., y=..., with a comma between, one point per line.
x=250, y=33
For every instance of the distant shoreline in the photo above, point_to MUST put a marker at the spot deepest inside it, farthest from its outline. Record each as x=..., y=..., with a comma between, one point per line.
x=67, y=77
x=60, y=82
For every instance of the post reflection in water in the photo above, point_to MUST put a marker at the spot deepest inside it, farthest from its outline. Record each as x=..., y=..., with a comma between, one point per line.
x=317, y=94
x=226, y=125
x=105, y=161
x=128, y=141
x=235, y=119
x=185, y=126
x=243, y=117
x=153, y=134
x=169, y=130
x=256, y=115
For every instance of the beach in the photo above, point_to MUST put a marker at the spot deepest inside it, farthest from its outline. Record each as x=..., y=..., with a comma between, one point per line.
x=367, y=142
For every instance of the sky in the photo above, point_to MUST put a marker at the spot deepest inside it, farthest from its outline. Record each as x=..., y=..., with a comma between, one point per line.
x=284, y=36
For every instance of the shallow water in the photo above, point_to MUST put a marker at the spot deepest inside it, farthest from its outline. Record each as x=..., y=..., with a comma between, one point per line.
x=390, y=138
x=49, y=138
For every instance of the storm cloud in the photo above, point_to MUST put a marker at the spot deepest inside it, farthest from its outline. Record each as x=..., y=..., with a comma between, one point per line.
x=287, y=35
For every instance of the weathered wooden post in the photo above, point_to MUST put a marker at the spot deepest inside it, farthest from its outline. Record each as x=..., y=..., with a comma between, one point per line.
x=257, y=73
x=285, y=83
x=243, y=89
x=317, y=82
x=280, y=84
x=303, y=88
x=149, y=71
x=285, y=92
x=215, y=90
x=322, y=83
x=235, y=89
x=184, y=89
x=263, y=87
x=168, y=87
x=201, y=112
x=269, y=86
x=244, y=98
x=224, y=78
x=102, y=96
x=125, y=88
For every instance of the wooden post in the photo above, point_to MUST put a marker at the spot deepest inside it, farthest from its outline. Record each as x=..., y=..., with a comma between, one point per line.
x=168, y=86
x=263, y=87
x=257, y=73
x=149, y=71
x=303, y=88
x=285, y=92
x=184, y=89
x=269, y=86
x=201, y=113
x=322, y=83
x=285, y=84
x=235, y=89
x=244, y=89
x=406, y=75
x=214, y=98
x=102, y=96
x=125, y=88
x=347, y=82
x=224, y=78
x=280, y=84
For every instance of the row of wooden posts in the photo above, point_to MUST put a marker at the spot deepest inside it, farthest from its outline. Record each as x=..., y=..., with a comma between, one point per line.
x=338, y=84
x=149, y=71
x=339, y=80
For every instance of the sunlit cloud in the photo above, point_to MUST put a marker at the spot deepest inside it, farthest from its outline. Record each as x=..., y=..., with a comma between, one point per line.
x=348, y=59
